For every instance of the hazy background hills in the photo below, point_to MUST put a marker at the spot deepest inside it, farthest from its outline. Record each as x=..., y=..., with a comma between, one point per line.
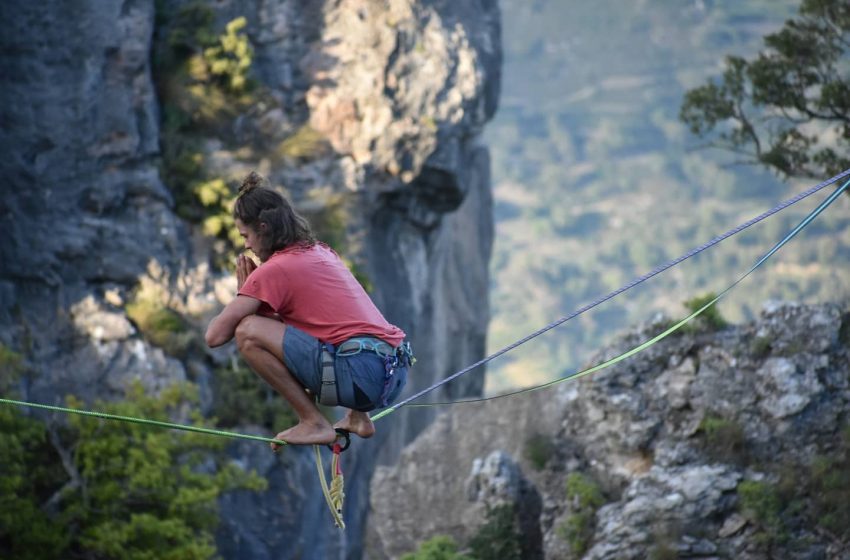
x=597, y=181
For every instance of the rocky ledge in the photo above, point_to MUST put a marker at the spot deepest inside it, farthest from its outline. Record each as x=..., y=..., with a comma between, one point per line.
x=729, y=443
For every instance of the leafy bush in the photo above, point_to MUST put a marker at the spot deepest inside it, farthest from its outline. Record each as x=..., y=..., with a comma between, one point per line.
x=539, y=448
x=11, y=367
x=830, y=489
x=584, y=491
x=305, y=144
x=586, y=498
x=32, y=473
x=724, y=439
x=127, y=490
x=203, y=82
x=760, y=503
x=441, y=547
x=578, y=530
x=499, y=538
x=710, y=318
x=160, y=325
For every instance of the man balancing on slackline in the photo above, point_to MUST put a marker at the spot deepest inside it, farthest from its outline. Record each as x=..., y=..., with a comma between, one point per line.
x=302, y=321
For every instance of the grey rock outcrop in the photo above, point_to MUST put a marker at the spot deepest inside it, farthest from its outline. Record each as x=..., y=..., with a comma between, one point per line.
x=780, y=386
x=399, y=90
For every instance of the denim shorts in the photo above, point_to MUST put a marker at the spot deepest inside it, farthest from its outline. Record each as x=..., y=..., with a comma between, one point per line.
x=359, y=378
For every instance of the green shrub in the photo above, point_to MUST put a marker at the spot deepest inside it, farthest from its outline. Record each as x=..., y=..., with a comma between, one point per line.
x=230, y=58
x=585, y=497
x=584, y=491
x=539, y=448
x=32, y=473
x=760, y=346
x=829, y=480
x=203, y=83
x=577, y=531
x=11, y=368
x=304, y=144
x=127, y=490
x=440, y=547
x=499, y=538
x=160, y=325
x=724, y=439
x=760, y=503
x=710, y=318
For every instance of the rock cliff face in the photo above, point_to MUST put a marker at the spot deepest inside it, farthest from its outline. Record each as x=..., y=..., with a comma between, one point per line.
x=399, y=90
x=677, y=442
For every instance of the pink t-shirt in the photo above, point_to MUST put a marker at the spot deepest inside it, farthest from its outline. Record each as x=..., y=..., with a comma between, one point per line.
x=312, y=290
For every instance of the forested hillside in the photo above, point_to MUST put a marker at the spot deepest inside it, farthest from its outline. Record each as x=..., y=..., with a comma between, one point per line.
x=597, y=181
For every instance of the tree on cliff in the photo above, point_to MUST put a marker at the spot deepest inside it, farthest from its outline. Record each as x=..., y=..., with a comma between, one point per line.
x=788, y=108
x=97, y=489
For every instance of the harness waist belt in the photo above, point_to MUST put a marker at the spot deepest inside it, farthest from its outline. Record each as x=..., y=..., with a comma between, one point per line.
x=356, y=345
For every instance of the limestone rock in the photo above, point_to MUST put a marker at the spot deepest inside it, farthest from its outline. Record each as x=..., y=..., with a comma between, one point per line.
x=638, y=431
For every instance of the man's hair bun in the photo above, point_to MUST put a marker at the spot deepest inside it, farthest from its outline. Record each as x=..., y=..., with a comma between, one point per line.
x=251, y=182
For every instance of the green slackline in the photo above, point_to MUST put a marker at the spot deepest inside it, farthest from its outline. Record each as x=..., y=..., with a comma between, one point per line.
x=146, y=421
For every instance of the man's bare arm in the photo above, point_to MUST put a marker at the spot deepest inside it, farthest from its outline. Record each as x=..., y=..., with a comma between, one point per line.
x=223, y=325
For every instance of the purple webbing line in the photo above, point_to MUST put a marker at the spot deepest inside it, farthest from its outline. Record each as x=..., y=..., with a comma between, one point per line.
x=628, y=286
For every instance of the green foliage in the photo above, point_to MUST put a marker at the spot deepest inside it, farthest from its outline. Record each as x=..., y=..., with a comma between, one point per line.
x=578, y=530
x=788, y=107
x=303, y=145
x=584, y=492
x=441, y=547
x=32, y=473
x=829, y=488
x=203, y=82
x=241, y=397
x=134, y=492
x=761, y=503
x=499, y=538
x=11, y=368
x=710, y=318
x=539, y=448
x=760, y=346
x=160, y=325
x=230, y=59
x=724, y=439
x=585, y=498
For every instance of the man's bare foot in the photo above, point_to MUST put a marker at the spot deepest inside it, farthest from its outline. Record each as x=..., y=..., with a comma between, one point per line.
x=357, y=423
x=306, y=434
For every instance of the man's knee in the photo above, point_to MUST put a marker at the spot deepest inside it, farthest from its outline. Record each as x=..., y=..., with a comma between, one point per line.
x=246, y=333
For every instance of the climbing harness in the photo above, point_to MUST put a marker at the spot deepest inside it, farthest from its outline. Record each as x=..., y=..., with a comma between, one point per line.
x=403, y=356
x=393, y=359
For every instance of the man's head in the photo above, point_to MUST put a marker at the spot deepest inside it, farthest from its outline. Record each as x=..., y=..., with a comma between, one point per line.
x=266, y=220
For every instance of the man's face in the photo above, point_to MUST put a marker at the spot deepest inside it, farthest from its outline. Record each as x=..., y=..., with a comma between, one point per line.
x=249, y=235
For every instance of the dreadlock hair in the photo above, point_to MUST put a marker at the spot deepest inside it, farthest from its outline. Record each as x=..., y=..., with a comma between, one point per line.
x=258, y=204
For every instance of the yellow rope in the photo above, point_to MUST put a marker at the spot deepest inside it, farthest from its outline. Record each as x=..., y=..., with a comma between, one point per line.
x=335, y=494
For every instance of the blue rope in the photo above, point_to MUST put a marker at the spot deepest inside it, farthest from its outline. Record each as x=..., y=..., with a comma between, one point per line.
x=628, y=286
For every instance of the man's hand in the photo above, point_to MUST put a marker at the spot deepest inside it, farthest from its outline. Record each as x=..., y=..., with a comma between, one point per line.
x=244, y=267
